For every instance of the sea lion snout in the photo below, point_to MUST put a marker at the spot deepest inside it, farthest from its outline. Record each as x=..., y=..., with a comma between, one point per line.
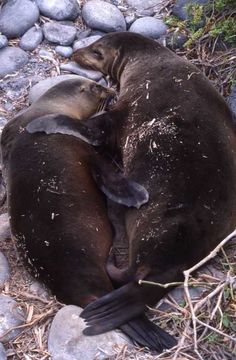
x=102, y=91
x=96, y=56
x=80, y=56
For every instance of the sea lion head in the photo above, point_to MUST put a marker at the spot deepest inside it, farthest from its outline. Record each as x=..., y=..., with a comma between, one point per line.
x=113, y=51
x=79, y=98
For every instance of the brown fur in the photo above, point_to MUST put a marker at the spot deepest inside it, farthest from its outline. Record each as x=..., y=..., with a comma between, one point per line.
x=176, y=138
x=57, y=214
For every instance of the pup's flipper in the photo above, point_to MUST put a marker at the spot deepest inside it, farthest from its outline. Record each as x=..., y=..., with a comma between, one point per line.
x=62, y=124
x=117, y=187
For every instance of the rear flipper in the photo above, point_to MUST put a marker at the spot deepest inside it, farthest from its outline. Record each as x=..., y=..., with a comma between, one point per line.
x=114, y=309
x=112, y=182
x=139, y=328
x=145, y=333
x=129, y=301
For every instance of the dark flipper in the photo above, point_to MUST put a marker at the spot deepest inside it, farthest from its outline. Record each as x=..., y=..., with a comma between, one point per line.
x=117, y=187
x=112, y=183
x=123, y=308
x=114, y=309
x=62, y=124
x=129, y=301
x=145, y=333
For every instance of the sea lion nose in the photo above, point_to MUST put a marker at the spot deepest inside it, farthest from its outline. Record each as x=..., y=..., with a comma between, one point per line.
x=111, y=91
x=111, y=96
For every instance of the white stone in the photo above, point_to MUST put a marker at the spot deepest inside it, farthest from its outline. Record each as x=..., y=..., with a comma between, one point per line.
x=103, y=16
x=67, y=342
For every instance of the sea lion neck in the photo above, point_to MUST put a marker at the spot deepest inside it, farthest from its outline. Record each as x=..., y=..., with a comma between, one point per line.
x=126, y=61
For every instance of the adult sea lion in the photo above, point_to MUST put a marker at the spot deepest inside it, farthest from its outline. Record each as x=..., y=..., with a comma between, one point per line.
x=58, y=215
x=176, y=138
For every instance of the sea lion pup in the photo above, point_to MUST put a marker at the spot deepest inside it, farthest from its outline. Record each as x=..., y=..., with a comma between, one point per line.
x=176, y=138
x=58, y=215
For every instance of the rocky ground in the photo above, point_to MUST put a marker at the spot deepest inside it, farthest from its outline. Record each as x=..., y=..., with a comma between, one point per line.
x=36, y=40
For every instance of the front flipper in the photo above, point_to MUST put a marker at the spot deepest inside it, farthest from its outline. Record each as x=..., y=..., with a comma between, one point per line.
x=117, y=187
x=62, y=124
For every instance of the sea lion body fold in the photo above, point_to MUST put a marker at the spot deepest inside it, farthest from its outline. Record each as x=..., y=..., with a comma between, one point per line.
x=177, y=139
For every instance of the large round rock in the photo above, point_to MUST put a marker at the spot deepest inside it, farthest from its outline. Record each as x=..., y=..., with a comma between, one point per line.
x=4, y=270
x=3, y=355
x=75, y=68
x=17, y=16
x=58, y=33
x=11, y=316
x=149, y=26
x=103, y=16
x=144, y=4
x=3, y=41
x=5, y=232
x=31, y=39
x=11, y=59
x=65, y=51
x=66, y=341
x=85, y=42
x=59, y=9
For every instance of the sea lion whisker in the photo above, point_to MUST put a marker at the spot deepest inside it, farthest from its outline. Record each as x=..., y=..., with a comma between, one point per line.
x=100, y=106
x=113, y=66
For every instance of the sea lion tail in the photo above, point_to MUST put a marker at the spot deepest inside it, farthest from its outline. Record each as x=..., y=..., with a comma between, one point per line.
x=145, y=333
